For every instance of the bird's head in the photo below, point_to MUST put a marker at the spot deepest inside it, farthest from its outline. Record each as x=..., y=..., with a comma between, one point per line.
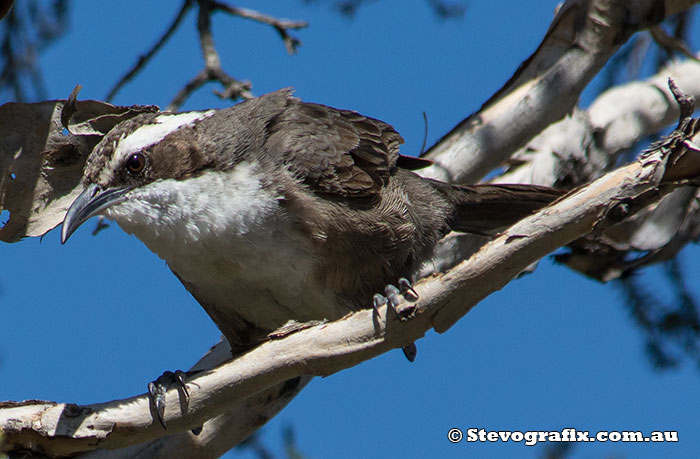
x=131, y=158
x=139, y=174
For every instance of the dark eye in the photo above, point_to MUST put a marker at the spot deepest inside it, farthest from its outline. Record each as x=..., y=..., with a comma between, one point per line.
x=136, y=163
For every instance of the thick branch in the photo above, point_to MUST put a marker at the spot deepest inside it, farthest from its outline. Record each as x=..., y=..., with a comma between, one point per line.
x=582, y=37
x=221, y=433
x=588, y=142
x=583, y=146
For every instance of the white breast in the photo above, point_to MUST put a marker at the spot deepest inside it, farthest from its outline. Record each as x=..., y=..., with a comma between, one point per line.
x=226, y=234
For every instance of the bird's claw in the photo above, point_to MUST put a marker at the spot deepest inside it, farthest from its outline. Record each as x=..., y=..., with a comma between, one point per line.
x=378, y=301
x=392, y=295
x=392, y=298
x=410, y=352
x=407, y=290
x=158, y=388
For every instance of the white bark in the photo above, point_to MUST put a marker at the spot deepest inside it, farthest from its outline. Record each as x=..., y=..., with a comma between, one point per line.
x=581, y=147
x=582, y=37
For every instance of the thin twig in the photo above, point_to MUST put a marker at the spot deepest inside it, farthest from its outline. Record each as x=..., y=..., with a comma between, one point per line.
x=233, y=89
x=206, y=40
x=145, y=58
x=192, y=85
x=27, y=29
x=282, y=26
x=671, y=43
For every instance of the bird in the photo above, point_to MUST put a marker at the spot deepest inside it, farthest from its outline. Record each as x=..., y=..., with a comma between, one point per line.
x=277, y=210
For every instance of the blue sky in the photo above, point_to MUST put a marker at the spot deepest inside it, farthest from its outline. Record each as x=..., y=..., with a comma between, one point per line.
x=98, y=318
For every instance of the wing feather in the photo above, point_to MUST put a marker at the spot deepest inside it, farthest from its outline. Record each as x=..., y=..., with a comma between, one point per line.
x=334, y=152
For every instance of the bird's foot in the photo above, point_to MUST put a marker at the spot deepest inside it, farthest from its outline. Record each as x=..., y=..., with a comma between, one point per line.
x=158, y=388
x=407, y=290
x=393, y=300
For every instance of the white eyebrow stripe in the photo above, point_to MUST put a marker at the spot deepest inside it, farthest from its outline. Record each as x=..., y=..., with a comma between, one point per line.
x=151, y=134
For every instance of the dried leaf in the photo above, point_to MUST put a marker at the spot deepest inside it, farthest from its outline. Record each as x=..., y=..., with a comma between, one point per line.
x=41, y=163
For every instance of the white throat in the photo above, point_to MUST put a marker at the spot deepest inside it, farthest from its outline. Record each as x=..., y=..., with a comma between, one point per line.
x=178, y=217
x=228, y=236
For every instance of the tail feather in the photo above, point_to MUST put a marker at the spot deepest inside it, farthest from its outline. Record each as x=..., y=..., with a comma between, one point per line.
x=488, y=209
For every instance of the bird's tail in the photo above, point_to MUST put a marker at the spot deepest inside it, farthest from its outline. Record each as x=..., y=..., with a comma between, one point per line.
x=488, y=209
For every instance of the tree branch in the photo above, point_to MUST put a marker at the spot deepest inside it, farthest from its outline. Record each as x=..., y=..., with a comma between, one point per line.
x=233, y=89
x=583, y=146
x=282, y=26
x=145, y=58
x=221, y=433
x=213, y=71
x=582, y=37
x=586, y=144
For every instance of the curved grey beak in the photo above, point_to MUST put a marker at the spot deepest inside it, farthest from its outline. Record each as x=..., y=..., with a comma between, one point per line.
x=90, y=202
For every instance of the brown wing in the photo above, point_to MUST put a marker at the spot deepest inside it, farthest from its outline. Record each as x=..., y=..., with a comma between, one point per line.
x=335, y=152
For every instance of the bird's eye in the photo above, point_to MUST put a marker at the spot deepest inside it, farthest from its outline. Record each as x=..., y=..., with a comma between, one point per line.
x=136, y=163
